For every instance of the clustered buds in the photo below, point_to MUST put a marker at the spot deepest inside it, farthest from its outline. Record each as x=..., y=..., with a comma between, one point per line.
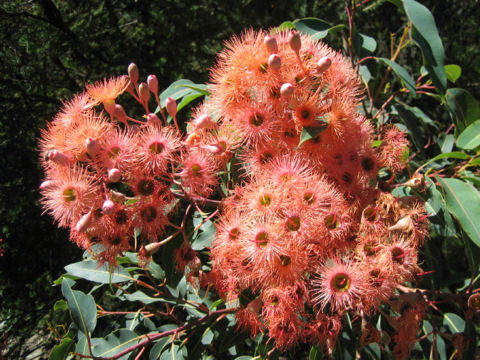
x=306, y=238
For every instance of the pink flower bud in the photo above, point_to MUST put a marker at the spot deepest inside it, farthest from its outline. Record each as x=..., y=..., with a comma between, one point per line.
x=274, y=62
x=92, y=146
x=114, y=175
x=204, y=122
x=120, y=113
x=133, y=73
x=286, y=90
x=153, y=248
x=143, y=92
x=108, y=207
x=171, y=106
x=404, y=224
x=153, y=119
x=109, y=106
x=271, y=44
x=323, y=64
x=58, y=157
x=46, y=184
x=152, y=82
x=295, y=41
x=84, y=222
x=214, y=149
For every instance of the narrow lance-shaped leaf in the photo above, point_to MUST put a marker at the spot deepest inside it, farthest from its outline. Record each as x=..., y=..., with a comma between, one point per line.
x=93, y=271
x=463, y=201
x=425, y=34
x=316, y=28
x=82, y=308
x=401, y=73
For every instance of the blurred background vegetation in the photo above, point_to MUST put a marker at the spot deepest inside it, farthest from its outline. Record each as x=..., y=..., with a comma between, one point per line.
x=50, y=49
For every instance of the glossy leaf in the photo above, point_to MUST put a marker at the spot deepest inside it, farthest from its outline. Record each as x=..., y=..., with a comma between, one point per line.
x=60, y=351
x=425, y=34
x=453, y=72
x=115, y=342
x=401, y=73
x=82, y=308
x=156, y=350
x=463, y=201
x=316, y=28
x=454, y=322
x=464, y=107
x=176, y=90
x=450, y=155
x=470, y=137
x=93, y=271
x=142, y=297
x=205, y=238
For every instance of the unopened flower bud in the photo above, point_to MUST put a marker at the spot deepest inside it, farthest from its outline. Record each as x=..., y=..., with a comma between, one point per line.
x=120, y=113
x=58, y=157
x=295, y=41
x=271, y=44
x=46, y=184
x=323, y=64
x=117, y=197
x=171, y=106
x=143, y=92
x=415, y=182
x=286, y=90
x=84, y=222
x=133, y=73
x=92, y=146
x=404, y=224
x=152, y=82
x=114, y=175
x=152, y=248
x=204, y=122
x=274, y=62
x=153, y=119
x=214, y=149
x=108, y=207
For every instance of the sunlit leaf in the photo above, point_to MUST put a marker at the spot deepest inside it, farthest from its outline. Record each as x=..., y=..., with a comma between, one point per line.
x=454, y=322
x=470, y=137
x=463, y=106
x=463, y=201
x=82, y=308
x=453, y=72
x=93, y=271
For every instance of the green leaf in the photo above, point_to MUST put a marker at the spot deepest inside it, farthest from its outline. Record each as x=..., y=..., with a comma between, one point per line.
x=60, y=305
x=446, y=142
x=425, y=34
x=82, y=308
x=200, y=88
x=463, y=106
x=176, y=90
x=454, y=322
x=158, y=347
x=187, y=100
x=463, y=201
x=470, y=137
x=316, y=28
x=174, y=352
x=205, y=238
x=401, y=73
x=363, y=45
x=453, y=72
x=93, y=271
x=311, y=132
x=450, y=155
x=115, y=342
x=286, y=25
x=411, y=122
x=60, y=351
x=144, y=298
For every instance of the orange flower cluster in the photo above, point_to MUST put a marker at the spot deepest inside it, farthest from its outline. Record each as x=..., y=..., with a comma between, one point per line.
x=305, y=233
x=309, y=236
x=105, y=178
